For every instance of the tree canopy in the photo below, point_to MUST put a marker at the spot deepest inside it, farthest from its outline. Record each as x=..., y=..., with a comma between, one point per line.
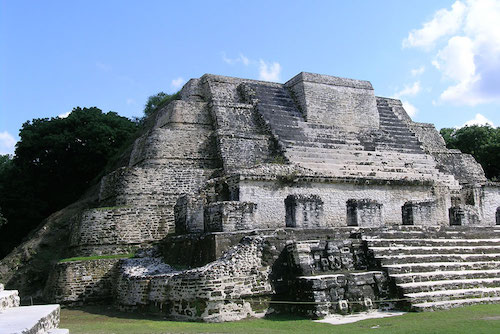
x=482, y=142
x=54, y=162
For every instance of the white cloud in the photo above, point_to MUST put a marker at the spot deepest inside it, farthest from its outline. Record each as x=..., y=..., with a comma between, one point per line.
x=478, y=120
x=177, y=83
x=7, y=143
x=470, y=57
x=444, y=22
x=409, y=90
x=130, y=101
x=417, y=71
x=240, y=59
x=66, y=114
x=411, y=110
x=456, y=60
x=269, y=72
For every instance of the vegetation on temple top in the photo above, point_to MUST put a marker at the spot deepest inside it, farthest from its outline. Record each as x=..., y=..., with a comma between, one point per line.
x=158, y=101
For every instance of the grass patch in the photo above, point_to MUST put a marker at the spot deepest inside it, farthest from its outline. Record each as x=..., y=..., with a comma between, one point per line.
x=105, y=320
x=98, y=257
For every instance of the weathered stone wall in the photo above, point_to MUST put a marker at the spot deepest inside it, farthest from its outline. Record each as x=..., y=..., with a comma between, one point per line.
x=150, y=186
x=239, y=130
x=345, y=103
x=229, y=216
x=419, y=212
x=214, y=292
x=364, y=212
x=118, y=226
x=489, y=203
x=271, y=211
x=462, y=166
x=82, y=281
x=464, y=215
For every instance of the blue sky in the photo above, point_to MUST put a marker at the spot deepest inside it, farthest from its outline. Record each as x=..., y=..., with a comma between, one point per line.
x=442, y=58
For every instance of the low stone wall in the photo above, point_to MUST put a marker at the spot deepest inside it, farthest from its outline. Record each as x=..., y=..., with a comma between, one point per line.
x=79, y=282
x=119, y=226
x=215, y=292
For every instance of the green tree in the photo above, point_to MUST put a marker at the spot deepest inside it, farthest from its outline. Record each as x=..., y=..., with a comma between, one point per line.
x=482, y=142
x=157, y=101
x=55, y=161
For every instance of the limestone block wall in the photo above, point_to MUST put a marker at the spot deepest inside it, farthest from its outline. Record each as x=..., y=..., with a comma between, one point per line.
x=303, y=211
x=490, y=204
x=271, y=211
x=418, y=212
x=162, y=145
x=214, y=292
x=346, y=103
x=150, y=186
x=118, y=226
x=82, y=281
x=463, y=166
x=184, y=114
x=239, y=130
x=229, y=216
x=364, y=212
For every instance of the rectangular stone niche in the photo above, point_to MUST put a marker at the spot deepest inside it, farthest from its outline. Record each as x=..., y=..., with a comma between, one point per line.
x=364, y=213
x=229, y=216
x=346, y=103
x=418, y=212
x=463, y=215
x=304, y=211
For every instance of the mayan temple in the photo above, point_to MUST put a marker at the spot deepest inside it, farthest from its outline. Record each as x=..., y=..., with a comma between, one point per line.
x=311, y=197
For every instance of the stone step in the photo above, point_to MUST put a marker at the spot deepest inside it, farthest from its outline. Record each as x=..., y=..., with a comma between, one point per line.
x=402, y=268
x=433, y=232
x=38, y=319
x=447, y=304
x=429, y=242
x=8, y=299
x=58, y=331
x=427, y=258
x=444, y=250
x=442, y=275
x=411, y=175
x=365, y=156
x=333, y=163
x=353, y=160
x=446, y=295
x=334, y=171
x=450, y=284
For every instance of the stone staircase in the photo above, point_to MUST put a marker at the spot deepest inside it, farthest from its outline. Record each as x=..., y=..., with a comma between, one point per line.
x=37, y=319
x=392, y=152
x=440, y=268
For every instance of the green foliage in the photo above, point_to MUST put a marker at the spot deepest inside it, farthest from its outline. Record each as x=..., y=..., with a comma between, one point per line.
x=55, y=161
x=157, y=101
x=3, y=220
x=482, y=142
x=98, y=257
